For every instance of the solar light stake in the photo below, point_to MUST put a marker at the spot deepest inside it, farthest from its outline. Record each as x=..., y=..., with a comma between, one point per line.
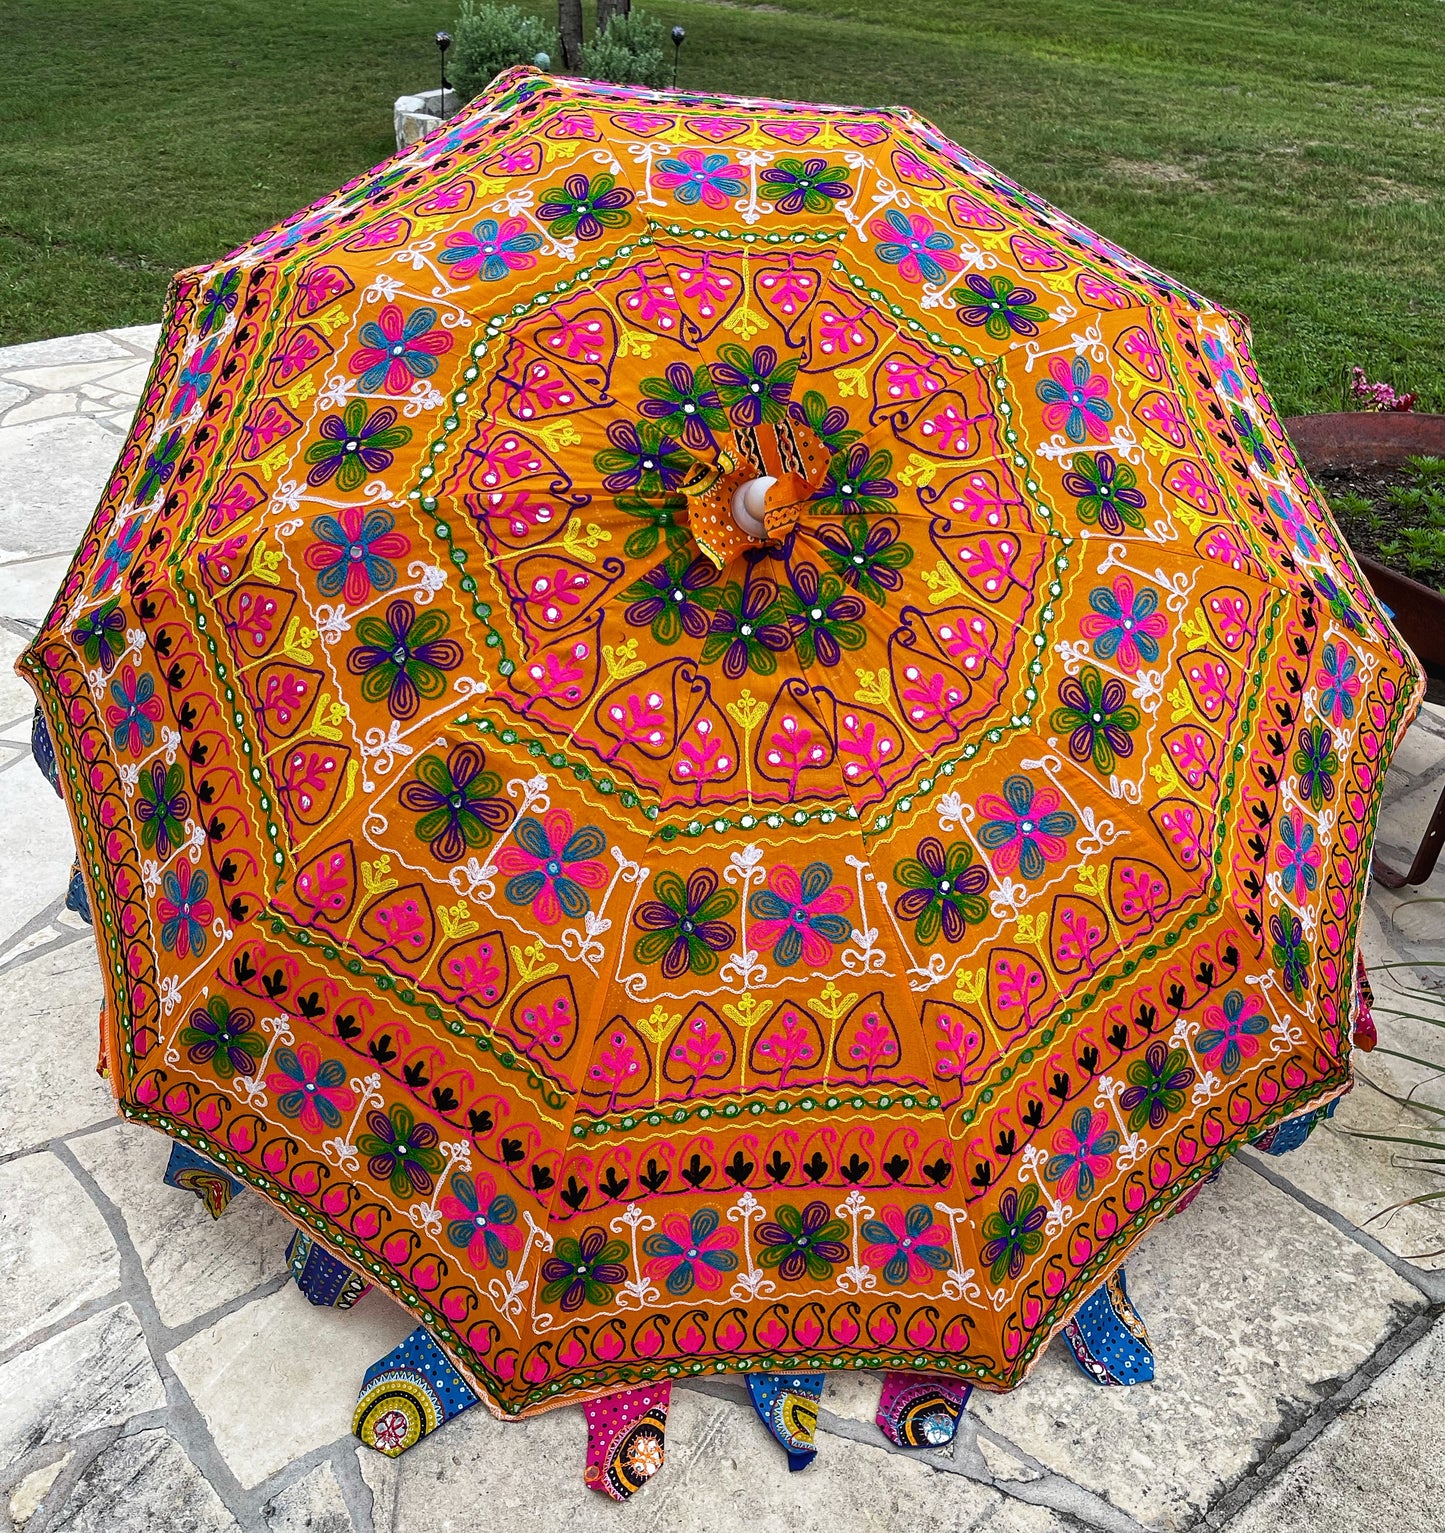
x=678, y=34
x=444, y=41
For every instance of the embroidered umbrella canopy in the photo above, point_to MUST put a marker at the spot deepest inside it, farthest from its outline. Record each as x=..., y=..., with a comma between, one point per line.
x=705, y=737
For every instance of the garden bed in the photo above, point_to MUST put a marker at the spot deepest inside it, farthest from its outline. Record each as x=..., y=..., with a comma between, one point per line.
x=1384, y=478
x=1360, y=496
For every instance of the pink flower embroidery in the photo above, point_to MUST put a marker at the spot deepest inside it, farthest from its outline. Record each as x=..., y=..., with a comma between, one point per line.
x=799, y=915
x=552, y=866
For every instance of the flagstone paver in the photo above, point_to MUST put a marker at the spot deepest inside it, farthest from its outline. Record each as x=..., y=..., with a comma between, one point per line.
x=191, y=1262
x=1393, y=1434
x=95, y=1374
x=157, y=1372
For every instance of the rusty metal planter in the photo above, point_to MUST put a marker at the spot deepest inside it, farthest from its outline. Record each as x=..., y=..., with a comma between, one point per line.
x=1348, y=438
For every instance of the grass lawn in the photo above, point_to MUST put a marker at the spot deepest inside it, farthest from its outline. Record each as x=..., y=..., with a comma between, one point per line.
x=1287, y=158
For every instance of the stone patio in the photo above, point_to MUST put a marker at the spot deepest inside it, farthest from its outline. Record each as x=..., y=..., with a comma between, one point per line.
x=159, y=1374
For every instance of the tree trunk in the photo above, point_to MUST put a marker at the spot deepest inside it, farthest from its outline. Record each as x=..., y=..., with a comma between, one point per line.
x=607, y=9
x=569, y=24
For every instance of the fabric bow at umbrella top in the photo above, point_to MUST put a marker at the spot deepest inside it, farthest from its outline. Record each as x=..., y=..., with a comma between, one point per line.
x=647, y=946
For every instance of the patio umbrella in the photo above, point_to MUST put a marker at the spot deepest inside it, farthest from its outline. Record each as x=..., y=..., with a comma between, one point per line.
x=705, y=737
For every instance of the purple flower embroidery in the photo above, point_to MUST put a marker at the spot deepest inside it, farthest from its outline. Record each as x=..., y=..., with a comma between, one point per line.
x=585, y=208
x=404, y=658
x=355, y=444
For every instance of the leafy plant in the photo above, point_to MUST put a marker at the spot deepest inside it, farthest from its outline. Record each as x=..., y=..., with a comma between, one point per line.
x=1419, y=514
x=627, y=51
x=490, y=38
x=1406, y=531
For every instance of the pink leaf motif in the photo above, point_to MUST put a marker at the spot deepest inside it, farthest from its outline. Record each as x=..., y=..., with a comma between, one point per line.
x=655, y=303
x=794, y=750
x=300, y=352
x=907, y=380
x=959, y=1045
x=539, y=391
x=987, y=562
x=306, y=777
x=786, y=1044
x=931, y=699
x=864, y=747
x=970, y=643
x=981, y=500
x=285, y=695
x=1016, y=985
x=637, y=721
x=579, y=340
x=521, y=511
x=950, y=430
x=704, y=759
x=787, y=291
x=700, y=1047
x=559, y=677
x=554, y=593
x=616, y=1064
x=873, y=1045
x=1078, y=938
x=840, y=336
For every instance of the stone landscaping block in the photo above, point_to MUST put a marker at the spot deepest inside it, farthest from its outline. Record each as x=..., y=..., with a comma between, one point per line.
x=1401, y=824
x=36, y=849
x=1254, y=1306
x=31, y=1490
x=1363, y=1179
x=413, y=117
x=98, y=346
x=48, y=1046
x=17, y=701
x=97, y=1374
x=1421, y=753
x=56, y=1253
x=192, y=1262
x=278, y=1378
x=28, y=583
x=851, y=1393
x=142, y=337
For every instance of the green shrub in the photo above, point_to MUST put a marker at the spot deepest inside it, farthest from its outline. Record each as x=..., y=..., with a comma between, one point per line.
x=490, y=38
x=628, y=52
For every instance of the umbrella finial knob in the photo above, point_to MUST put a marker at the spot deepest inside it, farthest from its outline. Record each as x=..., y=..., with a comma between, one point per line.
x=749, y=503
